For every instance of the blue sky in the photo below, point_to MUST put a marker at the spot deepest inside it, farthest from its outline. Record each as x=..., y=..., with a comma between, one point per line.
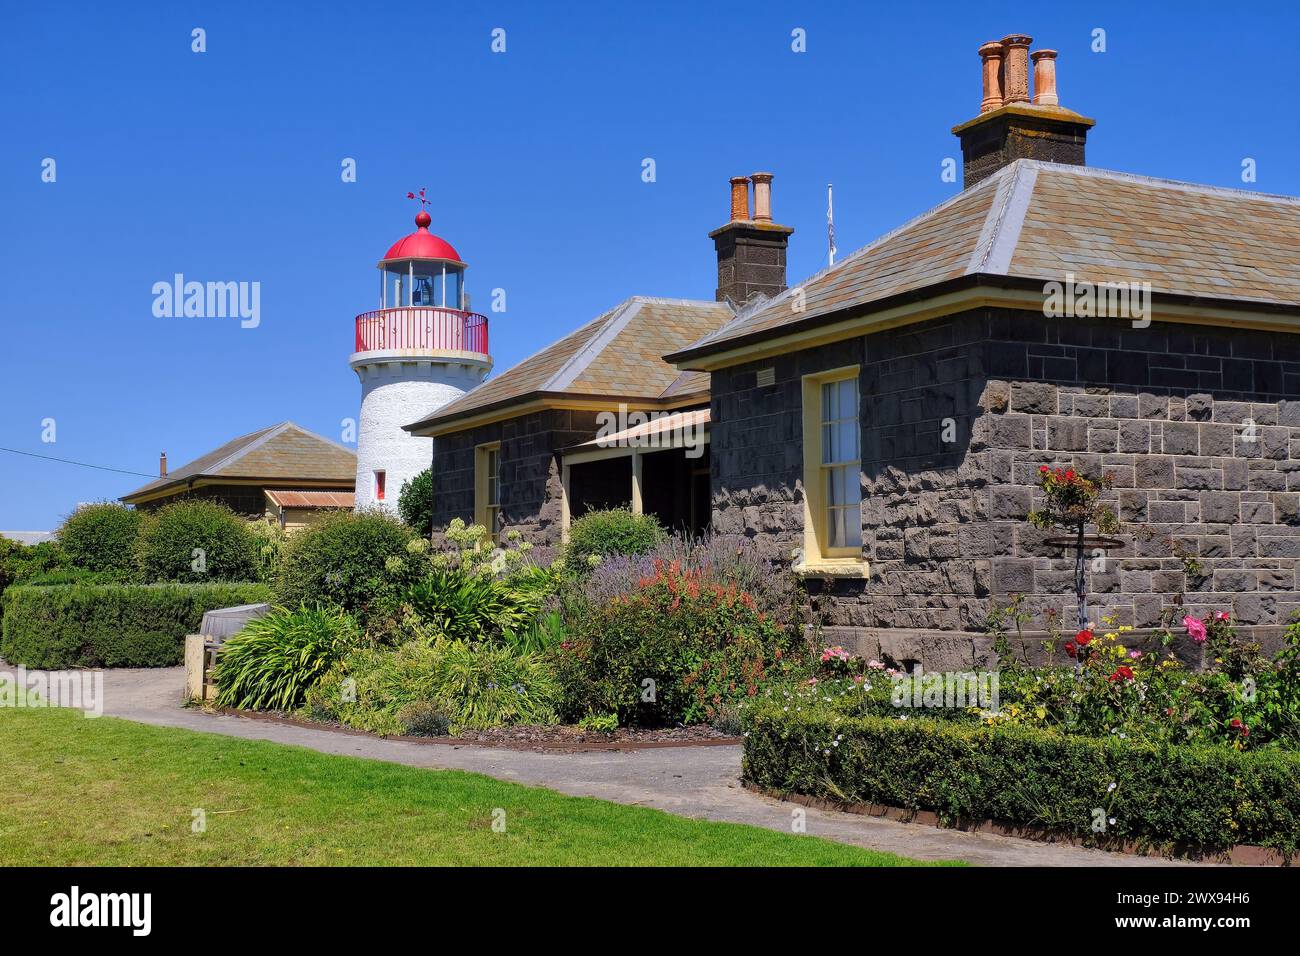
x=225, y=166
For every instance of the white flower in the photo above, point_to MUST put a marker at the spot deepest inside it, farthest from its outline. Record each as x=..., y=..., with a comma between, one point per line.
x=1110, y=787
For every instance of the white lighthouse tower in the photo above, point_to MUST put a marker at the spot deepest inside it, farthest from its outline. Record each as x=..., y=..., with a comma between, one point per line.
x=419, y=350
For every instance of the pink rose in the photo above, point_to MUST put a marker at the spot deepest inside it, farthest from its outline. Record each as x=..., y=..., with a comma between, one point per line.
x=1195, y=628
x=1220, y=615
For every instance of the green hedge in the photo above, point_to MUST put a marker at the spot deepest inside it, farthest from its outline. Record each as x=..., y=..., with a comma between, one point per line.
x=1188, y=797
x=111, y=625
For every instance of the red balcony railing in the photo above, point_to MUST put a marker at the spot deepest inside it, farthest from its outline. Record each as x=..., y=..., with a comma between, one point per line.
x=422, y=328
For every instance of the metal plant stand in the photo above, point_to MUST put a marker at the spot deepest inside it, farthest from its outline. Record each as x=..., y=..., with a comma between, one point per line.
x=1081, y=543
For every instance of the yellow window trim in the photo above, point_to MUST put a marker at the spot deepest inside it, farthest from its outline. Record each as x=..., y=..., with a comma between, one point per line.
x=834, y=562
x=481, y=453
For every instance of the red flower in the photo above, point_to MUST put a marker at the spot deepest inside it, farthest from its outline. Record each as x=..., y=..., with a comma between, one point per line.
x=1044, y=469
x=1069, y=475
x=1084, y=638
x=1071, y=649
x=1123, y=672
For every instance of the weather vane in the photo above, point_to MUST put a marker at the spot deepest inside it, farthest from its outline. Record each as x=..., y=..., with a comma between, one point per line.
x=423, y=202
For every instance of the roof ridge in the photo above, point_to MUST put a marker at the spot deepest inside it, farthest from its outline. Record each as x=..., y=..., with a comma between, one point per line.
x=933, y=211
x=1160, y=181
x=238, y=438
x=271, y=432
x=624, y=312
x=1002, y=231
x=668, y=300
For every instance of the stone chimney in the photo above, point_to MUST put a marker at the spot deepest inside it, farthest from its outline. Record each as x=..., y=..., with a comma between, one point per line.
x=162, y=465
x=751, y=251
x=1011, y=123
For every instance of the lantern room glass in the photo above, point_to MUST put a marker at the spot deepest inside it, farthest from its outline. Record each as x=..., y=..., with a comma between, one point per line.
x=420, y=283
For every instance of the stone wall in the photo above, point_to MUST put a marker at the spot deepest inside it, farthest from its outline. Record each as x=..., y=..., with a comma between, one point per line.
x=531, y=491
x=756, y=447
x=959, y=413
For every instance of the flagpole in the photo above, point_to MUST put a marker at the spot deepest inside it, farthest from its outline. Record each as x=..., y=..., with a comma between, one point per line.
x=830, y=226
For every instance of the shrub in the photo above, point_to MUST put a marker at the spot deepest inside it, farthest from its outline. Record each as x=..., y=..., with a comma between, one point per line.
x=341, y=560
x=547, y=632
x=424, y=718
x=728, y=560
x=415, y=503
x=28, y=563
x=194, y=540
x=600, y=534
x=101, y=538
x=269, y=542
x=368, y=688
x=673, y=651
x=396, y=691
x=494, y=686
x=20, y=563
x=1192, y=796
x=111, y=625
x=271, y=663
x=467, y=606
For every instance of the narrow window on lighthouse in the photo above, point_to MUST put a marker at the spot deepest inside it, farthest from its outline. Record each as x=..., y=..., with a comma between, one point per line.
x=379, y=485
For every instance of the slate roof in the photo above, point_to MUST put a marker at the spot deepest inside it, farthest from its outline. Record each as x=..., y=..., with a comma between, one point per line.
x=283, y=453
x=618, y=354
x=1038, y=221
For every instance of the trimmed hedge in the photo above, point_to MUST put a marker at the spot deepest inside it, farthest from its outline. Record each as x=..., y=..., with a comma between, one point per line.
x=1186, y=797
x=111, y=625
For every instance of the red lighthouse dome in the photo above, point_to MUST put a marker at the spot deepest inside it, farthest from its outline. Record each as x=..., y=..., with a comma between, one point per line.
x=422, y=244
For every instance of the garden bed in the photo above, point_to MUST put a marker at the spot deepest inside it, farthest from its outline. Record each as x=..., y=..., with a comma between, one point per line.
x=1111, y=792
x=562, y=738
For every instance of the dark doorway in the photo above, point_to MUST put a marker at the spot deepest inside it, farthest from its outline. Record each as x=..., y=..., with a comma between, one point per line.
x=676, y=489
x=597, y=485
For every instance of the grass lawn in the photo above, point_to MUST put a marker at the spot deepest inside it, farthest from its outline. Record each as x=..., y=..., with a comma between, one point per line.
x=110, y=792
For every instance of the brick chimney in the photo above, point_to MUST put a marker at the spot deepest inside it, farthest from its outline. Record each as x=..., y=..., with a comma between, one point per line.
x=751, y=251
x=162, y=465
x=1013, y=125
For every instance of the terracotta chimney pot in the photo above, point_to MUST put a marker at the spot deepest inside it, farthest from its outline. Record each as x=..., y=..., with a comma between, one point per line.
x=162, y=465
x=991, y=55
x=1045, y=78
x=1015, y=68
x=762, y=196
x=740, y=199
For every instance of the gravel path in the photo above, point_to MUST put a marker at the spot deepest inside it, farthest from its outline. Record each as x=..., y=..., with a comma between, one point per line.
x=700, y=782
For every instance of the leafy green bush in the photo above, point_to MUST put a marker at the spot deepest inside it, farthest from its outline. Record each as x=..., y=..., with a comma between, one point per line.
x=101, y=538
x=372, y=686
x=342, y=560
x=415, y=503
x=494, y=686
x=1192, y=796
x=409, y=689
x=269, y=542
x=111, y=625
x=275, y=659
x=468, y=606
x=546, y=633
x=600, y=534
x=24, y=563
x=195, y=540
x=673, y=651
